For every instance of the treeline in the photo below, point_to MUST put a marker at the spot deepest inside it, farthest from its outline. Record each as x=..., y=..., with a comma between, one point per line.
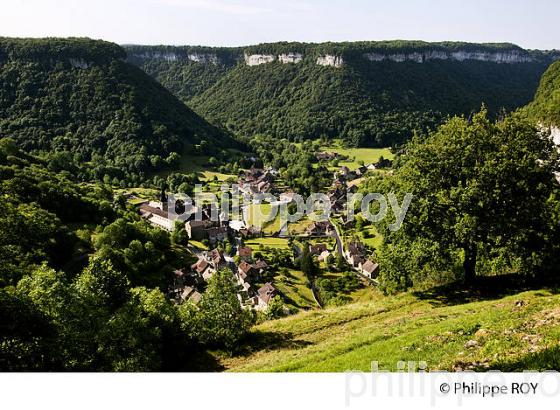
x=57, y=48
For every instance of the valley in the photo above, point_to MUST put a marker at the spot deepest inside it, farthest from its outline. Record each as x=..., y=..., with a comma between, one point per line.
x=107, y=271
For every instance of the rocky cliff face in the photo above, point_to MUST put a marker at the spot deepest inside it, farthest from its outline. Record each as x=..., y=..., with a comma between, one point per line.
x=508, y=57
x=80, y=63
x=258, y=59
x=330, y=60
x=290, y=58
x=338, y=54
x=172, y=56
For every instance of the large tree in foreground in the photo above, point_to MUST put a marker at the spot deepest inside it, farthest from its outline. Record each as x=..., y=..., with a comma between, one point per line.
x=484, y=195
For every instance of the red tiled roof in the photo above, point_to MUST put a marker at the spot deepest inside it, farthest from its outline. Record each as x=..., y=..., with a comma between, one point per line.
x=370, y=266
x=245, y=251
x=244, y=267
x=267, y=292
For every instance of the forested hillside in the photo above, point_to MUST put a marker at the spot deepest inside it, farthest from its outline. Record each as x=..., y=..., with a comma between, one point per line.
x=546, y=105
x=368, y=93
x=79, y=103
x=83, y=281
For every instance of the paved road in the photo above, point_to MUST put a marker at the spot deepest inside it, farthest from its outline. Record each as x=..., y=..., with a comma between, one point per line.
x=336, y=236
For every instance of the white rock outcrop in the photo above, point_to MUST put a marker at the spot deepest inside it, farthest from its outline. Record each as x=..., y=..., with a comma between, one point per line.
x=203, y=58
x=79, y=63
x=159, y=56
x=258, y=59
x=507, y=57
x=330, y=60
x=290, y=58
x=555, y=134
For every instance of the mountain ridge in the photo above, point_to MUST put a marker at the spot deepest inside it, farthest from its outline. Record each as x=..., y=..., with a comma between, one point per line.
x=79, y=97
x=367, y=93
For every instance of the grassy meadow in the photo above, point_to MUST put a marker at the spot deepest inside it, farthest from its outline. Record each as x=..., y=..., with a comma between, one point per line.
x=451, y=330
x=356, y=155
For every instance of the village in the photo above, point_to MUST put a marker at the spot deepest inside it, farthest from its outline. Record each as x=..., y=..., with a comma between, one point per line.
x=218, y=243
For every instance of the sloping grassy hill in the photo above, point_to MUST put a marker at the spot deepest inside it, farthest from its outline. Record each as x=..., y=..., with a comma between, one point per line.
x=514, y=332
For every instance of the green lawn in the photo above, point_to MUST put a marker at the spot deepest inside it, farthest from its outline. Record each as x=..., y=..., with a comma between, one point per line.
x=211, y=176
x=299, y=227
x=256, y=243
x=295, y=290
x=515, y=332
x=355, y=155
x=374, y=238
x=197, y=244
x=258, y=215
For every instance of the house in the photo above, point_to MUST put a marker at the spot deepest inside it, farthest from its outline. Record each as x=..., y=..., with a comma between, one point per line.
x=203, y=268
x=187, y=277
x=190, y=293
x=323, y=256
x=319, y=228
x=179, y=276
x=186, y=293
x=216, y=258
x=326, y=156
x=361, y=171
x=260, y=266
x=369, y=269
x=195, y=297
x=215, y=234
x=348, y=223
x=237, y=225
x=244, y=252
x=244, y=272
x=344, y=171
x=156, y=216
x=256, y=180
x=197, y=229
x=355, y=253
x=265, y=295
x=317, y=249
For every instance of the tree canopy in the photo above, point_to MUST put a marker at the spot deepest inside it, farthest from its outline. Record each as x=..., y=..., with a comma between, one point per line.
x=485, y=197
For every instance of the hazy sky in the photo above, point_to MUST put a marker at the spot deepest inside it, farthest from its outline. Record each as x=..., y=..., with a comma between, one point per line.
x=528, y=23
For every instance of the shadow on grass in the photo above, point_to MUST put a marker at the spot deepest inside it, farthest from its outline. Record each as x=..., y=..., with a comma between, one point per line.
x=484, y=288
x=259, y=340
x=202, y=361
x=548, y=359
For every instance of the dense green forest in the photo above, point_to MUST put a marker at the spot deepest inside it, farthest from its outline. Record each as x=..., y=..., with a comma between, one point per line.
x=366, y=103
x=83, y=281
x=78, y=102
x=546, y=106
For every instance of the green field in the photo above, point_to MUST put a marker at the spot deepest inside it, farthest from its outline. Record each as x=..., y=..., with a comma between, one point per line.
x=355, y=155
x=295, y=290
x=211, y=176
x=515, y=332
x=257, y=243
x=258, y=215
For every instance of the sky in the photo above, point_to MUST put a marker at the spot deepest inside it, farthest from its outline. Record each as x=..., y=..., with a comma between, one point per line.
x=528, y=23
